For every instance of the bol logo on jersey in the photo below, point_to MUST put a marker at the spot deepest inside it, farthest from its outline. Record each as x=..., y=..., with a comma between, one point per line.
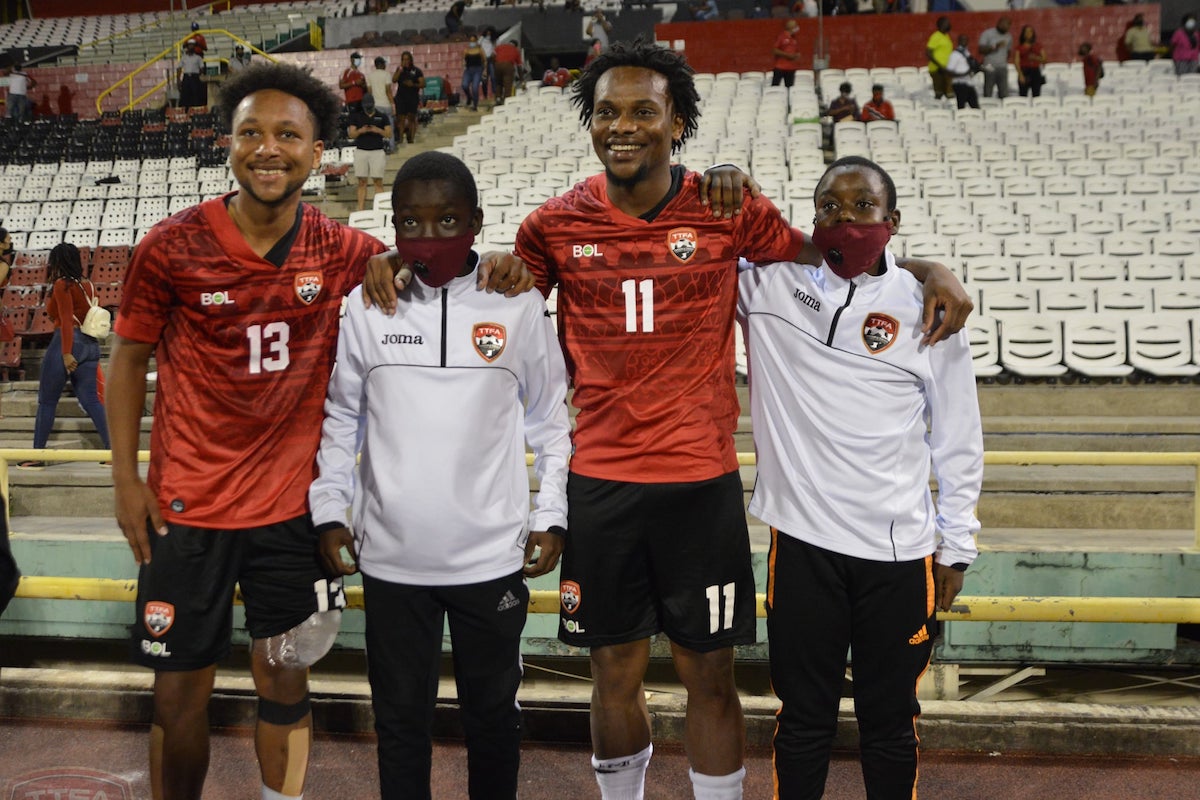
x=489, y=339
x=308, y=286
x=682, y=243
x=159, y=617
x=879, y=331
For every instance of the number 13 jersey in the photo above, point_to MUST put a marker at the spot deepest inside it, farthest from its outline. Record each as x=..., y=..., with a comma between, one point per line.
x=244, y=352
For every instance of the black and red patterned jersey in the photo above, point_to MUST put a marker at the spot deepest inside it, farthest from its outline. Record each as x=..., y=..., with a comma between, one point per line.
x=646, y=314
x=244, y=351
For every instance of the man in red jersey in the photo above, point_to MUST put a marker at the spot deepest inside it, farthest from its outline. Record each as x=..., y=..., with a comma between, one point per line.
x=657, y=536
x=238, y=300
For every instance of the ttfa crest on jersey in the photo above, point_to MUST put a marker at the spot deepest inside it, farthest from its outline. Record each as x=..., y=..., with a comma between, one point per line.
x=682, y=243
x=159, y=617
x=489, y=339
x=879, y=331
x=308, y=286
x=570, y=596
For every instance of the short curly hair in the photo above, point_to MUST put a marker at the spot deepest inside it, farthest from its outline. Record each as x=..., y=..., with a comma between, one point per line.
x=322, y=103
x=673, y=66
x=433, y=166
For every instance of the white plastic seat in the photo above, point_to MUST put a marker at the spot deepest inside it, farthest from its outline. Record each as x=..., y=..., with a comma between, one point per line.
x=1044, y=269
x=1096, y=345
x=1161, y=344
x=989, y=270
x=1004, y=300
x=1174, y=244
x=1118, y=204
x=1182, y=184
x=1103, y=185
x=1051, y=224
x=984, y=337
x=1074, y=245
x=925, y=245
x=367, y=218
x=1184, y=221
x=1028, y=244
x=1022, y=186
x=1177, y=297
x=1126, y=244
x=1124, y=298
x=1098, y=267
x=1066, y=298
x=973, y=245
x=949, y=224
x=1145, y=184
x=1032, y=345
x=1150, y=268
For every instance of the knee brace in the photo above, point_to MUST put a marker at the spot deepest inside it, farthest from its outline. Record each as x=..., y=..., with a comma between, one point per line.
x=303, y=645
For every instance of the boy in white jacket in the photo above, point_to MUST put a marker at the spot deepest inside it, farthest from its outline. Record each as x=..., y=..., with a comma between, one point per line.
x=440, y=400
x=849, y=411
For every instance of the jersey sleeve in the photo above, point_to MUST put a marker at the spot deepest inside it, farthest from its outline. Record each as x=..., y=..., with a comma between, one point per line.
x=547, y=423
x=764, y=235
x=530, y=247
x=332, y=491
x=956, y=447
x=147, y=296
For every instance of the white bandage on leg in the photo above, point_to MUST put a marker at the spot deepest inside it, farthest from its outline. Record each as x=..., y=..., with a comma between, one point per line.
x=717, y=787
x=623, y=778
x=270, y=794
x=303, y=645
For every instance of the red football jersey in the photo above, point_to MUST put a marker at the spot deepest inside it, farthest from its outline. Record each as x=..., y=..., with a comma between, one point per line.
x=646, y=314
x=244, y=352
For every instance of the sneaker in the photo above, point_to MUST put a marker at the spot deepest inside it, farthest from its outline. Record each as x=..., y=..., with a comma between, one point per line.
x=32, y=465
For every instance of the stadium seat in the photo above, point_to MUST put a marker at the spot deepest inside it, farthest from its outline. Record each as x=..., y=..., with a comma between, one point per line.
x=1161, y=344
x=1031, y=345
x=1044, y=269
x=1096, y=267
x=1066, y=298
x=1004, y=300
x=1077, y=244
x=984, y=338
x=1152, y=268
x=1124, y=298
x=1096, y=345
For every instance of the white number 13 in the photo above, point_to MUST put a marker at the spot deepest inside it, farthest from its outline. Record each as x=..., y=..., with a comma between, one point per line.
x=275, y=338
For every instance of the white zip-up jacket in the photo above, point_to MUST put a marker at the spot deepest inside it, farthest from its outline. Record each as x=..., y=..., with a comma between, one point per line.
x=440, y=399
x=849, y=410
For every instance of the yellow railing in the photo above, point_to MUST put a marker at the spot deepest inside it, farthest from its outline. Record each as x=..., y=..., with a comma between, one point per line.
x=966, y=608
x=173, y=52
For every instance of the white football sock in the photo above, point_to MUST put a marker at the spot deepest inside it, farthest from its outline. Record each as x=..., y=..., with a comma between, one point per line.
x=717, y=787
x=270, y=794
x=623, y=778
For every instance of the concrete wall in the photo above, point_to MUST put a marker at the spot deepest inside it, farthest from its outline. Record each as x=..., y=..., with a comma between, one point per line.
x=894, y=40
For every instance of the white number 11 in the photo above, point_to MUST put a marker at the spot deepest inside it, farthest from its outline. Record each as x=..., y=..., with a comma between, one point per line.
x=631, y=288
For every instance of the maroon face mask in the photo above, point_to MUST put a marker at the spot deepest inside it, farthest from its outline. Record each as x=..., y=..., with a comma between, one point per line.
x=436, y=260
x=851, y=250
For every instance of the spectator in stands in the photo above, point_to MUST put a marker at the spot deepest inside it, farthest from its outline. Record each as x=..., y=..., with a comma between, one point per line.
x=508, y=62
x=379, y=86
x=368, y=127
x=1137, y=40
x=65, y=98
x=353, y=83
x=962, y=68
x=236, y=428
x=844, y=106
x=410, y=81
x=198, y=38
x=240, y=59
x=995, y=45
x=787, y=54
x=8, y=254
x=654, y=497
x=486, y=532
x=1029, y=58
x=19, y=84
x=1093, y=69
x=192, y=91
x=487, y=43
x=599, y=28
x=1185, y=46
x=454, y=17
x=877, y=107
x=938, y=49
x=704, y=10
x=472, y=72
x=593, y=52
x=556, y=74
x=860, y=555
x=71, y=353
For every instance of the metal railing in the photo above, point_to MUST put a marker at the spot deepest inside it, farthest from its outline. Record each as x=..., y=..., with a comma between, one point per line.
x=966, y=608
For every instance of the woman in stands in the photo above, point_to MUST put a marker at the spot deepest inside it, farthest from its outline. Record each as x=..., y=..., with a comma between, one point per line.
x=409, y=80
x=1185, y=46
x=1029, y=57
x=472, y=72
x=71, y=353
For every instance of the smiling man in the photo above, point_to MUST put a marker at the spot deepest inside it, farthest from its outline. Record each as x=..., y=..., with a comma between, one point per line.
x=657, y=536
x=238, y=300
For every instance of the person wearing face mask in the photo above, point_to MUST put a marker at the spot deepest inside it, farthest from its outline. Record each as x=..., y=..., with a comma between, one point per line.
x=849, y=411
x=473, y=62
x=369, y=128
x=1185, y=46
x=354, y=83
x=473, y=377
